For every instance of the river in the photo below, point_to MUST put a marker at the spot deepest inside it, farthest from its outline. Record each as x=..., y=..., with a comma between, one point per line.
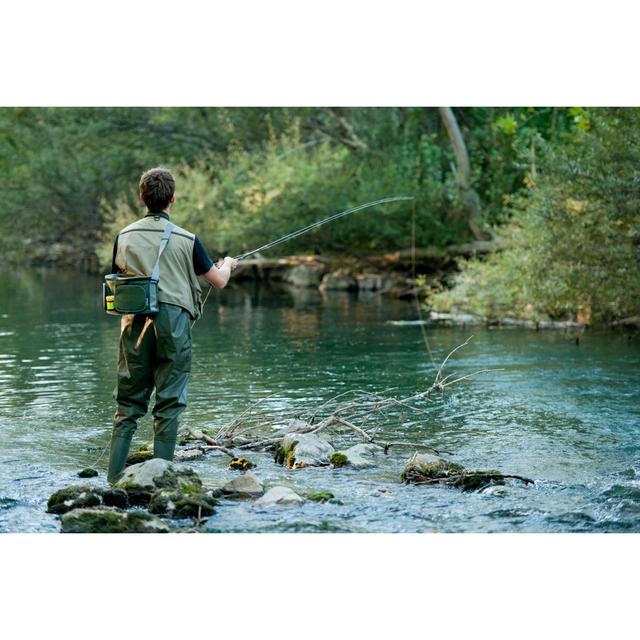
x=566, y=414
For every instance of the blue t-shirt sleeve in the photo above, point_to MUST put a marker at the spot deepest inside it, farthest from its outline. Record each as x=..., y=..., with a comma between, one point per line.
x=201, y=260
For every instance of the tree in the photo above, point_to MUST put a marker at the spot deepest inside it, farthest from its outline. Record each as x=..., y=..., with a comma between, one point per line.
x=470, y=198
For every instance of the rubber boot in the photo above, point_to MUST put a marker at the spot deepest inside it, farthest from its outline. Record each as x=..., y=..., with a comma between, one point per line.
x=117, y=456
x=163, y=449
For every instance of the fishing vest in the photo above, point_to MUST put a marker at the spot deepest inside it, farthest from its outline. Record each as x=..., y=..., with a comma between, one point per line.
x=137, y=253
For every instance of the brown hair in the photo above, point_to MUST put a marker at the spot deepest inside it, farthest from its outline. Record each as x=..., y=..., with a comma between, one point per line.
x=157, y=187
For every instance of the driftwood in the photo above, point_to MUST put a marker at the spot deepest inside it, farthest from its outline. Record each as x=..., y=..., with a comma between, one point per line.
x=354, y=414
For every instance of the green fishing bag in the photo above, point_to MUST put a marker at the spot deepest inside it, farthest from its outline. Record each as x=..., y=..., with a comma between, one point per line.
x=134, y=294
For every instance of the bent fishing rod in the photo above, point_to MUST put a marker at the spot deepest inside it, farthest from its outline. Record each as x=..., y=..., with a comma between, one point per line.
x=310, y=227
x=315, y=225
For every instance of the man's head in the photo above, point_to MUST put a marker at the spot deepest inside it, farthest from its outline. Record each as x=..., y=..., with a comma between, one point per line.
x=157, y=187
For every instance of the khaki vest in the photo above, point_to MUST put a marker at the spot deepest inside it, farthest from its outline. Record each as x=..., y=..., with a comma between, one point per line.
x=138, y=246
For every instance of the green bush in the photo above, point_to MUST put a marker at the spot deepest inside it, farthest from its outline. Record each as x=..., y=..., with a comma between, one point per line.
x=572, y=245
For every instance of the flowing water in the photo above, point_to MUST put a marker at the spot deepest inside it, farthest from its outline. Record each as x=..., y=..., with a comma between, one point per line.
x=565, y=414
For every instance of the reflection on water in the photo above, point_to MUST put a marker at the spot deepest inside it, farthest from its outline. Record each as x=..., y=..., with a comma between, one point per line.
x=565, y=414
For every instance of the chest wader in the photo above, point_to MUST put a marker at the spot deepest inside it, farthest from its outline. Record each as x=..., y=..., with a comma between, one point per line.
x=154, y=352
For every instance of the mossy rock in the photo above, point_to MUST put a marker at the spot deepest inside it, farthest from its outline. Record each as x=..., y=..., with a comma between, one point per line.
x=320, y=496
x=284, y=453
x=74, y=497
x=110, y=520
x=241, y=464
x=338, y=459
x=303, y=450
x=425, y=469
x=87, y=473
x=139, y=455
x=140, y=481
x=182, y=505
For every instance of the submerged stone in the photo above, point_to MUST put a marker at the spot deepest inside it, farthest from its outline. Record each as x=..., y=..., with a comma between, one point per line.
x=110, y=520
x=74, y=497
x=141, y=480
x=495, y=490
x=246, y=486
x=188, y=455
x=279, y=495
x=182, y=505
x=87, y=473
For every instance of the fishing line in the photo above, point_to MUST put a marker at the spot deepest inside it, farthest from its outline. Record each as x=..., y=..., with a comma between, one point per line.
x=310, y=227
x=415, y=288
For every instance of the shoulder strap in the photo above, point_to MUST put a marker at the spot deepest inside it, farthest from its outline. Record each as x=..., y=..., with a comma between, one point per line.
x=155, y=275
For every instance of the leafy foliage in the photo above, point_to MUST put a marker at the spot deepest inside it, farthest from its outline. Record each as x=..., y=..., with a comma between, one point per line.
x=573, y=243
x=251, y=174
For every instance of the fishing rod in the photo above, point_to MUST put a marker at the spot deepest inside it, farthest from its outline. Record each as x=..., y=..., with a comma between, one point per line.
x=310, y=227
x=314, y=225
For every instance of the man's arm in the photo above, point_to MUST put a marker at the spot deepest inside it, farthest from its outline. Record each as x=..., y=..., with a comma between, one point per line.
x=203, y=266
x=220, y=277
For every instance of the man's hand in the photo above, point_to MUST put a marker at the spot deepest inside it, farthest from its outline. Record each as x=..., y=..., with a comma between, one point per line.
x=231, y=262
x=219, y=276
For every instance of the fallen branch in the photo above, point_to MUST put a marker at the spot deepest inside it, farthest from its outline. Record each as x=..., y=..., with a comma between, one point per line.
x=361, y=413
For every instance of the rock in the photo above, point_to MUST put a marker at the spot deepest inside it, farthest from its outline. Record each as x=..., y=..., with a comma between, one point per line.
x=467, y=318
x=141, y=480
x=188, y=455
x=140, y=455
x=360, y=455
x=246, y=486
x=279, y=495
x=299, y=450
x=428, y=469
x=241, y=464
x=176, y=504
x=320, y=496
x=116, y=498
x=424, y=467
x=74, y=497
x=495, y=490
x=87, y=473
x=110, y=520
x=304, y=275
x=338, y=281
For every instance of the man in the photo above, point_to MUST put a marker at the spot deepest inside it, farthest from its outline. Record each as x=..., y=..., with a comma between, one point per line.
x=155, y=352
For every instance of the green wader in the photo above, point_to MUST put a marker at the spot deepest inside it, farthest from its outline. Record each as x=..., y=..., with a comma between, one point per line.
x=161, y=359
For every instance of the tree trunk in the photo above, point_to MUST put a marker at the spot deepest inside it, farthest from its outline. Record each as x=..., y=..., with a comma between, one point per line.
x=470, y=198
